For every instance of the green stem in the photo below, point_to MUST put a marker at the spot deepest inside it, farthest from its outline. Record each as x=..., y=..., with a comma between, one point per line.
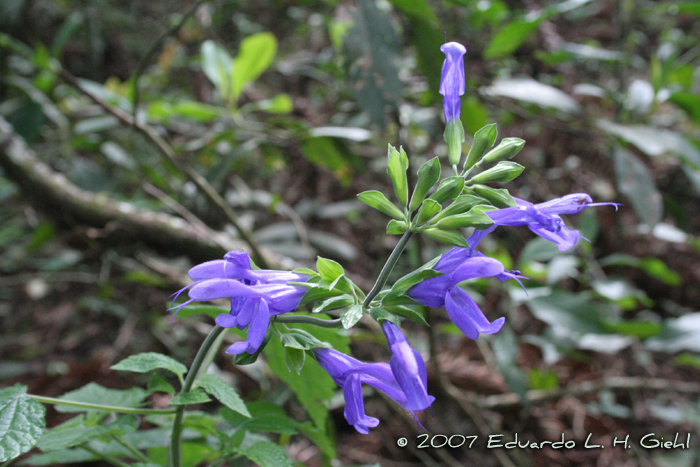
x=324, y=323
x=175, y=453
x=108, y=458
x=105, y=408
x=138, y=454
x=388, y=267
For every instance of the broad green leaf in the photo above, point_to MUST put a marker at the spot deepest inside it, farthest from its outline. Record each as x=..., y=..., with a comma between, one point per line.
x=409, y=313
x=653, y=141
x=689, y=102
x=415, y=277
x=21, y=422
x=318, y=293
x=327, y=152
x=217, y=65
x=329, y=269
x=333, y=303
x=93, y=393
x=254, y=57
x=280, y=104
x=636, y=182
x=506, y=149
x=219, y=389
x=306, y=271
x=483, y=140
x=506, y=350
x=302, y=340
x=636, y=328
x=158, y=384
x=428, y=175
x=448, y=189
x=197, y=111
x=504, y=171
x=295, y=359
x=395, y=227
x=149, y=361
x=571, y=314
x=351, y=316
x=427, y=210
x=449, y=237
x=267, y=454
x=510, y=37
x=396, y=168
x=67, y=437
x=416, y=9
x=196, y=396
x=380, y=314
x=264, y=416
x=378, y=201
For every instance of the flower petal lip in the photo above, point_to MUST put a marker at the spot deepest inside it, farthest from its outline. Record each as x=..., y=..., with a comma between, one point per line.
x=466, y=315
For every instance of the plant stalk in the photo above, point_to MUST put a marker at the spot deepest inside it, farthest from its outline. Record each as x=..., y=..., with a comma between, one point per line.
x=388, y=267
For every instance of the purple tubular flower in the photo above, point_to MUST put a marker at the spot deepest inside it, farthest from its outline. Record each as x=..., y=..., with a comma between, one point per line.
x=543, y=219
x=408, y=368
x=350, y=374
x=458, y=265
x=452, y=81
x=256, y=295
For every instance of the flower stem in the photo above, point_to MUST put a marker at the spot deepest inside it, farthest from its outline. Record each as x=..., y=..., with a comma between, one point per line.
x=175, y=453
x=105, y=408
x=324, y=323
x=388, y=267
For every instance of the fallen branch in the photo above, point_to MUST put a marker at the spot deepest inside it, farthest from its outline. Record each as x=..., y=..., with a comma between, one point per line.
x=68, y=203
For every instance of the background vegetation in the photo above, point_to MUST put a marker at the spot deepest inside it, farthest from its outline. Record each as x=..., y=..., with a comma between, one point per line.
x=254, y=124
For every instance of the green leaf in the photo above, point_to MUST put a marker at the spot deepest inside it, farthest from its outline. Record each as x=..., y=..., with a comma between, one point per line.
x=306, y=271
x=248, y=359
x=295, y=359
x=93, y=393
x=448, y=189
x=510, y=37
x=483, y=140
x=395, y=227
x=219, y=389
x=460, y=205
x=217, y=65
x=378, y=201
x=158, y=384
x=267, y=454
x=302, y=340
x=689, y=102
x=351, y=316
x=264, y=416
x=636, y=328
x=636, y=182
x=149, y=361
x=21, y=422
x=475, y=217
x=506, y=149
x=380, y=314
x=406, y=312
x=329, y=269
x=254, y=57
x=416, y=9
x=333, y=303
x=193, y=397
x=327, y=152
x=504, y=171
x=280, y=104
x=318, y=293
x=534, y=92
x=450, y=237
x=427, y=211
x=396, y=168
x=415, y=277
x=428, y=175
x=63, y=437
x=498, y=197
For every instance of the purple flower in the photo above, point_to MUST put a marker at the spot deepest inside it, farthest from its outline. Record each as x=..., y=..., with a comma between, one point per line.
x=404, y=379
x=452, y=81
x=458, y=265
x=543, y=219
x=256, y=295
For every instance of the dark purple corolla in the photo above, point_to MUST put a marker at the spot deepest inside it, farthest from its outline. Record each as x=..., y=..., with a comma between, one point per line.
x=404, y=380
x=452, y=81
x=256, y=295
x=458, y=265
x=543, y=219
